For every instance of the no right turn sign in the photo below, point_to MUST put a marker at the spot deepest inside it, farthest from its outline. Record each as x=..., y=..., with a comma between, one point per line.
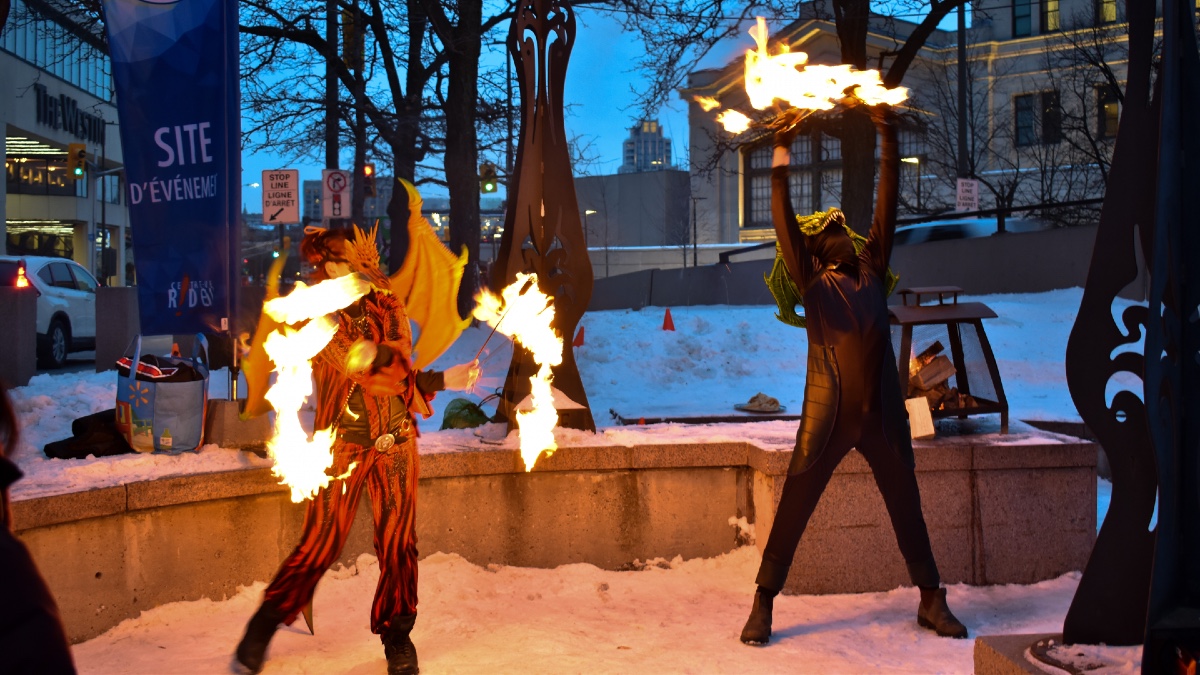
x=335, y=193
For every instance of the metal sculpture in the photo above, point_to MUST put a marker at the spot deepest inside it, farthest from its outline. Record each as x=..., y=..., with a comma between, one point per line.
x=1110, y=603
x=1173, y=368
x=1143, y=584
x=543, y=232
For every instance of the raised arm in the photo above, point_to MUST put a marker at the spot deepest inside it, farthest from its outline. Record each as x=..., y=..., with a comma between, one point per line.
x=791, y=242
x=883, y=227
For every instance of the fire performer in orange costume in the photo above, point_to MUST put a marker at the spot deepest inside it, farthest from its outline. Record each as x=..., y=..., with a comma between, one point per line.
x=852, y=393
x=368, y=390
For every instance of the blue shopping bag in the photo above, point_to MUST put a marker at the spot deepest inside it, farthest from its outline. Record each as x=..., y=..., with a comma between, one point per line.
x=161, y=404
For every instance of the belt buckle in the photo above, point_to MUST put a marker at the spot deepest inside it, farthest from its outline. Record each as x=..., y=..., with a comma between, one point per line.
x=385, y=442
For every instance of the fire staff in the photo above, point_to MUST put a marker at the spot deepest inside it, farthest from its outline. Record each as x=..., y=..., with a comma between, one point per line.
x=852, y=392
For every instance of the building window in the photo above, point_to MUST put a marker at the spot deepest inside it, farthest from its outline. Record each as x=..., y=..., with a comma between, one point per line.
x=912, y=143
x=831, y=189
x=1051, y=117
x=831, y=147
x=1022, y=18
x=50, y=46
x=1108, y=109
x=758, y=186
x=1025, y=117
x=1106, y=12
x=802, y=150
x=800, y=187
x=37, y=176
x=1050, y=16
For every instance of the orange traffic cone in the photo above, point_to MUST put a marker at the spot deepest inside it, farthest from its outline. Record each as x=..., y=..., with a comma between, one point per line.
x=578, y=338
x=668, y=323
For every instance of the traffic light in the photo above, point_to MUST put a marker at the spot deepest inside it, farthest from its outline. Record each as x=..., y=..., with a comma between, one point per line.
x=487, y=178
x=76, y=160
x=368, y=179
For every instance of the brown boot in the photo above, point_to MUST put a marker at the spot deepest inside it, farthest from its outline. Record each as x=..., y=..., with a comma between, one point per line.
x=757, y=631
x=935, y=614
x=398, y=647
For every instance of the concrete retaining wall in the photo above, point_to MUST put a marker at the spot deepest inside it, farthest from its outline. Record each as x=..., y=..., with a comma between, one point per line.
x=1028, y=262
x=1001, y=509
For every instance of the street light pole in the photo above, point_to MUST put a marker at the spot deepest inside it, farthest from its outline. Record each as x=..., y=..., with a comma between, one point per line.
x=695, y=237
x=606, y=244
x=587, y=234
x=916, y=161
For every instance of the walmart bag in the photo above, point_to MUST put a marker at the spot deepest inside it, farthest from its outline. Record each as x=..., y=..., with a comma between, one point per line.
x=162, y=406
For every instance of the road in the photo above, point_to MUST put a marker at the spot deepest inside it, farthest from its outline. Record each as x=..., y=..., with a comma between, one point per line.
x=79, y=362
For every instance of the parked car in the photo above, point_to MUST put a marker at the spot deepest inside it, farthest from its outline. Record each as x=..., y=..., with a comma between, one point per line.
x=66, y=304
x=962, y=228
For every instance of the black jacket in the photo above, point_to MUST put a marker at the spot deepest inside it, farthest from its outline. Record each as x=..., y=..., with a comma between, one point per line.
x=32, y=639
x=852, y=375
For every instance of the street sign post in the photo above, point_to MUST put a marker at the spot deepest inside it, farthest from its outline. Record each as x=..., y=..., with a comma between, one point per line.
x=281, y=196
x=968, y=195
x=335, y=193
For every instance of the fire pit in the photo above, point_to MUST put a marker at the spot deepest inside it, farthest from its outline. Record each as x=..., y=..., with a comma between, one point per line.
x=963, y=382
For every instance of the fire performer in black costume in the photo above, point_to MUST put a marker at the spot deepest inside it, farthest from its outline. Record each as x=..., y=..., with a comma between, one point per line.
x=852, y=393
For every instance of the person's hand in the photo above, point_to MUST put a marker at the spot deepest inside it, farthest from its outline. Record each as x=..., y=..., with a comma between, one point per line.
x=461, y=377
x=389, y=380
x=787, y=126
x=881, y=114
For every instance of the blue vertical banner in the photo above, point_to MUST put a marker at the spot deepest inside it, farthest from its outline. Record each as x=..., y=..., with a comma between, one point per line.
x=175, y=71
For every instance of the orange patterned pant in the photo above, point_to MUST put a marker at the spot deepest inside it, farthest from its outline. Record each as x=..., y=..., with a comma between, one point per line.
x=391, y=482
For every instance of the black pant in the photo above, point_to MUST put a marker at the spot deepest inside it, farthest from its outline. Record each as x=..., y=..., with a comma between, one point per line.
x=897, y=483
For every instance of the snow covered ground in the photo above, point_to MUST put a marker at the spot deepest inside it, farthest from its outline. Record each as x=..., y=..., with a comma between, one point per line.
x=673, y=616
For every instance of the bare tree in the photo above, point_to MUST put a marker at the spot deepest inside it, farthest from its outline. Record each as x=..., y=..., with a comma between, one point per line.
x=679, y=34
x=1085, y=63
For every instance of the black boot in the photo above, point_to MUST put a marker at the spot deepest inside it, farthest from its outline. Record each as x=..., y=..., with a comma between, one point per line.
x=935, y=614
x=398, y=647
x=253, y=647
x=758, y=627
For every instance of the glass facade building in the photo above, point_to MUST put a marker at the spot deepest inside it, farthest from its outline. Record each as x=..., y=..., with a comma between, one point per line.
x=56, y=91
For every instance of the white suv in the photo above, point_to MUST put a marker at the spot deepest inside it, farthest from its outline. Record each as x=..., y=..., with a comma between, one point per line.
x=66, y=304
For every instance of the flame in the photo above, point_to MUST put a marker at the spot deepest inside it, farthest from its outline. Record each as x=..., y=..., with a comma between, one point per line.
x=707, y=103
x=301, y=462
x=787, y=76
x=526, y=318
x=734, y=121
x=310, y=302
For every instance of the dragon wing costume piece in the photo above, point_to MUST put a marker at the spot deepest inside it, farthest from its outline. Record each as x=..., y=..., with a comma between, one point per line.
x=256, y=365
x=427, y=284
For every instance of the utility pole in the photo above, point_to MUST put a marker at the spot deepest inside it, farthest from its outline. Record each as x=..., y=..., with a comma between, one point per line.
x=331, y=85
x=962, y=91
x=695, y=238
x=508, y=148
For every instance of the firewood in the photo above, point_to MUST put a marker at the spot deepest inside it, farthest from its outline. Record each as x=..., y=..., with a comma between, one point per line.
x=921, y=360
x=935, y=372
x=920, y=422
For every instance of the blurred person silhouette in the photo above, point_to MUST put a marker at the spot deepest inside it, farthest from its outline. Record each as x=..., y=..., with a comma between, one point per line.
x=852, y=390
x=32, y=639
